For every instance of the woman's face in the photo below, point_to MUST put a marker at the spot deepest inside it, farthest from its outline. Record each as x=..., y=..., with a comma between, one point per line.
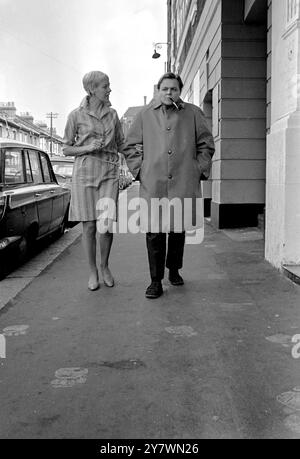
x=102, y=90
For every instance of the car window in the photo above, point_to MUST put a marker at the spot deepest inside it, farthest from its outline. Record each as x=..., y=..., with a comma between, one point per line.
x=28, y=169
x=45, y=167
x=13, y=169
x=35, y=166
x=63, y=169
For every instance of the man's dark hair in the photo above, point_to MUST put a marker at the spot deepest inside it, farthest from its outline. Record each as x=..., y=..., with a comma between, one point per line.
x=170, y=76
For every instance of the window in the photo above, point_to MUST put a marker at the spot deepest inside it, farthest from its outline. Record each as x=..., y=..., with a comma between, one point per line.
x=45, y=167
x=13, y=170
x=190, y=94
x=63, y=169
x=28, y=169
x=35, y=167
x=293, y=9
x=182, y=10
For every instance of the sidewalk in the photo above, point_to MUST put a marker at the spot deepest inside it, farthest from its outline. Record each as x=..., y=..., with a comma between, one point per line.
x=211, y=359
x=16, y=281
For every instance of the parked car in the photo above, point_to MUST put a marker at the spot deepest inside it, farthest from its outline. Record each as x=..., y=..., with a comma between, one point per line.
x=32, y=203
x=63, y=169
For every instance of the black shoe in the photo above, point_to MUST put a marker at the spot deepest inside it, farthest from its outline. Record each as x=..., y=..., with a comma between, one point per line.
x=175, y=278
x=154, y=290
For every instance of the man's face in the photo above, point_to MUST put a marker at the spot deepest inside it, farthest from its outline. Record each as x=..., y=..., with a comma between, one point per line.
x=169, y=88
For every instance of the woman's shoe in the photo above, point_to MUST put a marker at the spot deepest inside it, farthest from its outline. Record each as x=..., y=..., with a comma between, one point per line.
x=93, y=284
x=107, y=277
x=93, y=287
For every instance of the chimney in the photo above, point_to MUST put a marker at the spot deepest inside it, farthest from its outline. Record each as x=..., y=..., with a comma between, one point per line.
x=8, y=108
x=26, y=117
x=42, y=124
x=145, y=100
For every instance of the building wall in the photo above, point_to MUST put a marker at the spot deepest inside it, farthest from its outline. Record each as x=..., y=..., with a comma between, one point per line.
x=239, y=166
x=283, y=160
x=269, y=64
x=201, y=73
x=225, y=74
x=243, y=69
x=22, y=128
x=19, y=134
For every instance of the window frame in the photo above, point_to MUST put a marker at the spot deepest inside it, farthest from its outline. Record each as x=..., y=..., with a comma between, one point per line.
x=37, y=153
x=43, y=155
x=26, y=154
x=13, y=149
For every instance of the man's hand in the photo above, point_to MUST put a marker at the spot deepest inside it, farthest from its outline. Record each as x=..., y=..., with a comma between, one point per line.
x=204, y=177
x=139, y=147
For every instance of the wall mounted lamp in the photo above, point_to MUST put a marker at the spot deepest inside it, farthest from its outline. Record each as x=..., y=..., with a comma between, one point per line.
x=157, y=46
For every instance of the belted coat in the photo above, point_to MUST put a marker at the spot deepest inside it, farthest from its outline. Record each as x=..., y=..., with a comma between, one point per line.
x=170, y=151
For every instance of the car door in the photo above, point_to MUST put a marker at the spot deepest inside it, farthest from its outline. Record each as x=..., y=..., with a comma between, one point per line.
x=14, y=188
x=42, y=192
x=57, y=193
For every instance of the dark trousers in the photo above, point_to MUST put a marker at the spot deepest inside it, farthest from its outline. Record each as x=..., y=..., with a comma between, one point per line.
x=156, y=245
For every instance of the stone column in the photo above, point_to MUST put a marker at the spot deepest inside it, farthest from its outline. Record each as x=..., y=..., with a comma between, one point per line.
x=283, y=142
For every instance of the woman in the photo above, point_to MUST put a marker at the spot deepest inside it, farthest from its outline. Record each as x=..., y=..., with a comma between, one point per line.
x=93, y=135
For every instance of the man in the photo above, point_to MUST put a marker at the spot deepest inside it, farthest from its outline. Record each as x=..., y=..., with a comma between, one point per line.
x=169, y=149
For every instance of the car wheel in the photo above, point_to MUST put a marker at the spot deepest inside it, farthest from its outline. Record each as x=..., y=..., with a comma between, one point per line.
x=27, y=245
x=3, y=272
x=23, y=248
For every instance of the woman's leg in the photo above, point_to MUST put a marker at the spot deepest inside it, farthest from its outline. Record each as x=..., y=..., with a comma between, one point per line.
x=89, y=243
x=106, y=240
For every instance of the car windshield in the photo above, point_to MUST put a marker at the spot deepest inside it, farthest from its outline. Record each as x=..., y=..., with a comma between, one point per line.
x=63, y=169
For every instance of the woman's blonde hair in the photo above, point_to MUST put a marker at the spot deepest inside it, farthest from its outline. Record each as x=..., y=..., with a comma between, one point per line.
x=92, y=79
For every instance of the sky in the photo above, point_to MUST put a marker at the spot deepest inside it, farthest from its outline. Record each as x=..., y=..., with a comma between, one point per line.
x=46, y=46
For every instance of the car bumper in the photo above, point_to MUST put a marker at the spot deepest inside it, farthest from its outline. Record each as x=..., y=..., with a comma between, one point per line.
x=8, y=243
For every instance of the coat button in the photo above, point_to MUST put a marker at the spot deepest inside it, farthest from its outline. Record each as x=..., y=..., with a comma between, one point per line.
x=168, y=129
x=170, y=152
x=170, y=177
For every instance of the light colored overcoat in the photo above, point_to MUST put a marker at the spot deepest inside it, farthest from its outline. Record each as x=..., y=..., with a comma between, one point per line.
x=170, y=151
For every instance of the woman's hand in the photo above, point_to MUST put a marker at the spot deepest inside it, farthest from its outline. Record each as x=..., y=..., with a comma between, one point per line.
x=94, y=145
